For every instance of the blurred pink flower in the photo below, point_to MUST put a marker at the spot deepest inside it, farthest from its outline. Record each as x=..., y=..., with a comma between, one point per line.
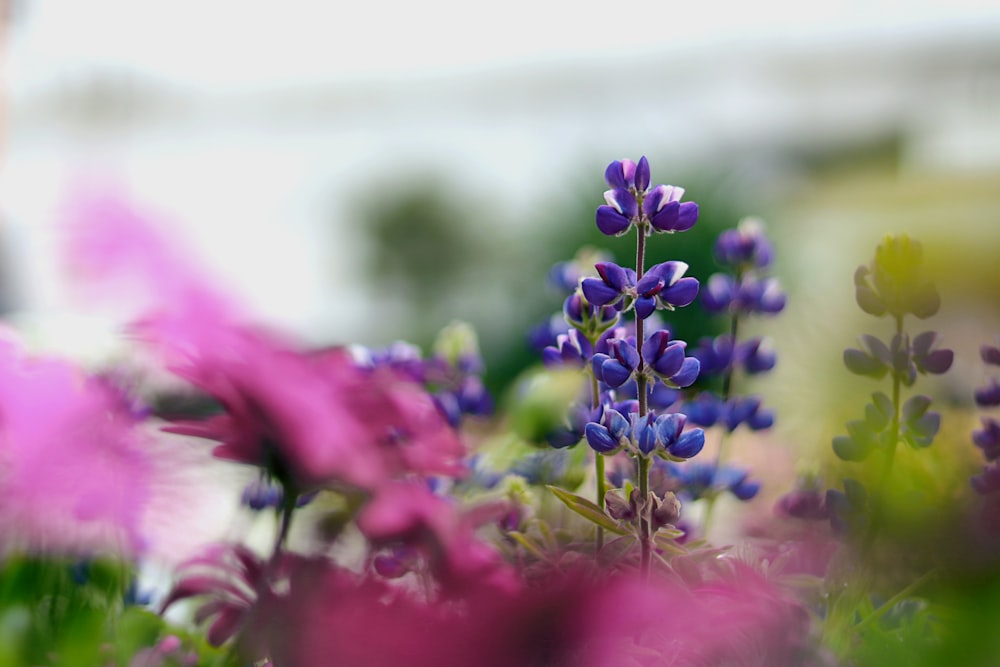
x=575, y=618
x=408, y=514
x=117, y=253
x=74, y=471
x=316, y=419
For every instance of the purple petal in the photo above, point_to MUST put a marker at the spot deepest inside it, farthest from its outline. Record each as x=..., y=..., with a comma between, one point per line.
x=599, y=438
x=878, y=349
x=614, y=373
x=615, y=175
x=862, y=363
x=689, y=444
x=623, y=201
x=617, y=424
x=655, y=345
x=718, y=293
x=654, y=199
x=626, y=353
x=669, y=427
x=681, y=293
x=645, y=436
x=611, y=222
x=671, y=271
x=666, y=219
x=761, y=420
x=650, y=284
x=613, y=275
x=644, y=307
x=745, y=490
x=687, y=216
x=598, y=292
x=642, y=174
x=671, y=360
x=988, y=396
x=923, y=343
x=687, y=374
x=990, y=355
x=937, y=362
x=772, y=299
x=551, y=357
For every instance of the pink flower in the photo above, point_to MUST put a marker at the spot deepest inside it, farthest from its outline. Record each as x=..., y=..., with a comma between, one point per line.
x=313, y=419
x=74, y=471
x=409, y=514
x=578, y=617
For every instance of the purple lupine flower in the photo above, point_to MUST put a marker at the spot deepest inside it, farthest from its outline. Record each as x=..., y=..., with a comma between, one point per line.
x=988, y=438
x=664, y=287
x=666, y=359
x=715, y=355
x=803, y=503
x=615, y=368
x=666, y=433
x=990, y=354
x=746, y=410
x=757, y=355
x=571, y=348
x=544, y=334
x=988, y=396
x=674, y=440
x=988, y=481
x=705, y=410
x=609, y=433
x=745, y=246
x=874, y=360
x=718, y=293
x=697, y=480
x=757, y=295
x=926, y=358
x=612, y=286
x=631, y=202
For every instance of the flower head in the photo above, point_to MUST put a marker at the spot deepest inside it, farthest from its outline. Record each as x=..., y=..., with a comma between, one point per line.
x=630, y=201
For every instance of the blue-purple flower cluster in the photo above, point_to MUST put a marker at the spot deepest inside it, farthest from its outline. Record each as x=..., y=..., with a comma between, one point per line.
x=987, y=439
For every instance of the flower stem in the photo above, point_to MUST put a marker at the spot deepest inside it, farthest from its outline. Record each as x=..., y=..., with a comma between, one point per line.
x=595, y=401
x=642, y=471
x=727, y=389
x=288, y=504
x=644, y=536
x=878, y=501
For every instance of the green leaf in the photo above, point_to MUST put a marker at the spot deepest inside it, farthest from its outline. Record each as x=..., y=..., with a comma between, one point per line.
x=849, y=449
x=588, y=510
x=616, y=549
x=532, y=548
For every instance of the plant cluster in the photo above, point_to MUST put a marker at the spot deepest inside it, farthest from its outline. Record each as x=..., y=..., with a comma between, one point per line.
x=411, y=522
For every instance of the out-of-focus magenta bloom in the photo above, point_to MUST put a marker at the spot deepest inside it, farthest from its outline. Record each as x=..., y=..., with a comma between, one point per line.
x=74, y=467
x=408, y=514
x=730, y=617
x=317, y=419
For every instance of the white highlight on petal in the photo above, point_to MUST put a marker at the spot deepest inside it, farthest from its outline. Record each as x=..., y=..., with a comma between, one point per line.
x=609, y=196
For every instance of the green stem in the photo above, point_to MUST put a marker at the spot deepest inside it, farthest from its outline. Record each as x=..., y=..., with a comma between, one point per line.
x=284, y=525
x=602, y=485
x=644, y=536
x=878, y=501
x=896, y=599
x=727, y=389
x=640, y=385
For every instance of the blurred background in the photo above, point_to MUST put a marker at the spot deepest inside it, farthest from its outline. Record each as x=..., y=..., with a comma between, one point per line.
x=366, y=172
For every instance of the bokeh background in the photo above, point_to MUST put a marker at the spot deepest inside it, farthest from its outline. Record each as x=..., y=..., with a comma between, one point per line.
x=367, y=172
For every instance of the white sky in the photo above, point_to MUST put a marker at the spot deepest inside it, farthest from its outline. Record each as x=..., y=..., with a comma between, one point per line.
x=240, y=43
